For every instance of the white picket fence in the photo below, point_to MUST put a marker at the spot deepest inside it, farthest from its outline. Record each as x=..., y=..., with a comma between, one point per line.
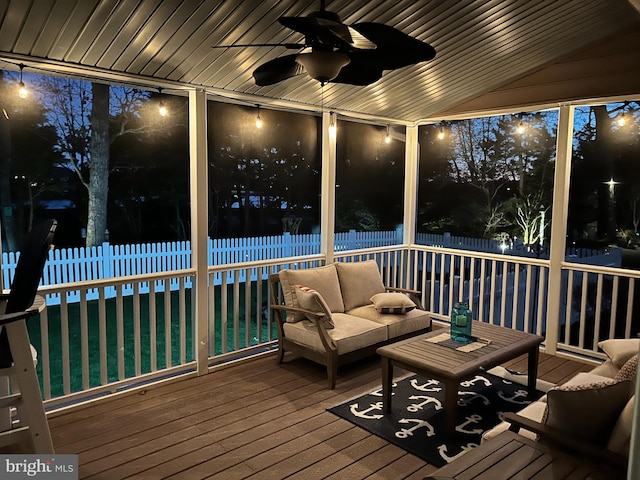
x=81, y=264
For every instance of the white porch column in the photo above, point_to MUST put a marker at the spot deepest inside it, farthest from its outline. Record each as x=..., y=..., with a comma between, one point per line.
x=560, y=211
x=411, y=162
x=199, y=185
x=328, y=187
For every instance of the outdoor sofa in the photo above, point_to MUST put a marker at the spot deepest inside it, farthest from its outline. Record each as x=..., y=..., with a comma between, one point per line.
x=341, y=312
x=591, y=414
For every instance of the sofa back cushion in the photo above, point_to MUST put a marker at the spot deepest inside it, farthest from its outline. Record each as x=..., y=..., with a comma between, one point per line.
x=323, y=280
x=359, y=281
x=620, y=438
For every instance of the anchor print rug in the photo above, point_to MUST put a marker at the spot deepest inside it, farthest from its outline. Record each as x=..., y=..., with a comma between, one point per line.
x=416, y=421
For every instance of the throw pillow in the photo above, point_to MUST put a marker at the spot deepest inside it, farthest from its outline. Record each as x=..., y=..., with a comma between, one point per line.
x=358, y=282
x=397, y=303
x=309, y=299
x=620, y=350
x=587, y=412
x=628, y=370
x=322, y=279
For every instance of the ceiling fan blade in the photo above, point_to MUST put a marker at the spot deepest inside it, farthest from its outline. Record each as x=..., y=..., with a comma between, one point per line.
x=319, y=30
x=395, y=49
x=276, y=70
x=290, y=46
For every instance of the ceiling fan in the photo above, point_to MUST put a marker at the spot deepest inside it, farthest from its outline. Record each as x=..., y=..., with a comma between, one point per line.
x=354, y=54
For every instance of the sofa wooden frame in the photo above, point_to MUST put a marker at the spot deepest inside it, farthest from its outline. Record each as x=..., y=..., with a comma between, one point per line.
x=329, y=357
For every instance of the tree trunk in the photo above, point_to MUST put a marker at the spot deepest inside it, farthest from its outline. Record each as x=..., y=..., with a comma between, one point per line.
x=99, y=165
x=6, y=205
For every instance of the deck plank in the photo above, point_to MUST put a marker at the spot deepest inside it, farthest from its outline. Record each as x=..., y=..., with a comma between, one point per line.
x=252, y=420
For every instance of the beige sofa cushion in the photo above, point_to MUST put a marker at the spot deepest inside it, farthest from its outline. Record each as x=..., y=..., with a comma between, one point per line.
x=534, y=411
x=359, y=281
x=587, y=412
x=397, y=324
x=620, y=350
x=349, y=333
x=324, y=280
x=620, y=438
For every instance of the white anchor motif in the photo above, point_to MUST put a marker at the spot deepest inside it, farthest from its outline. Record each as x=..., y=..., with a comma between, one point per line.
x=471, y=396
x=477, y=378
x=408, y=432
x=415, y=407
x=516, y=395
x=378, y=393
x=425, y=387
x=472, y=419
x=442, y=449
x=363, y=413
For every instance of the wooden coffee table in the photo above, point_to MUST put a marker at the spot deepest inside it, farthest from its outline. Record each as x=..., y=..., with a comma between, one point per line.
x=451, y=366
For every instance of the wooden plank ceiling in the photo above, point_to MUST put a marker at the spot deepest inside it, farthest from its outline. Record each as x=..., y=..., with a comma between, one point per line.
x=481, y=45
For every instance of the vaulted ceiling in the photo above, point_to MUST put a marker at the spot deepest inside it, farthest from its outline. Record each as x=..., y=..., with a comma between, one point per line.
x=490, y=53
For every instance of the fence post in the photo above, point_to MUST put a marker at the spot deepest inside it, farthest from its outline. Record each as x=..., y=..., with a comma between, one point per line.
x=351, y=241
x=286, y=245
x=107, y=259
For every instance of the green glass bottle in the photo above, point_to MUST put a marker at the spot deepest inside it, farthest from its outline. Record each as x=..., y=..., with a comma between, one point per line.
x=461, y=322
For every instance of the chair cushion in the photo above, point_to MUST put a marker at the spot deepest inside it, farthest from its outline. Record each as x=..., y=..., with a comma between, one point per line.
x=620, y=350
x=620, y=438
x=359, y=281
x=323, y=280
x=350, y=333
x=397, y=303
x=309, y=299
x=397, y=324
x=587, y=412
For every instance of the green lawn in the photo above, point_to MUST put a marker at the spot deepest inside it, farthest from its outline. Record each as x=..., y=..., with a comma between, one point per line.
x=234, y=337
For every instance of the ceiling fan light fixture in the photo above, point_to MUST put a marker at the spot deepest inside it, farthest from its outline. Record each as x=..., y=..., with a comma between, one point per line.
x=323, y=66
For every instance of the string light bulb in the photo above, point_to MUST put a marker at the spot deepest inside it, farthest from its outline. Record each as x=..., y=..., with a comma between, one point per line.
x=387, y=138
x=332, y=126
x=621, y=121
x=22, y=89
x=441, y=133
x=520, y=128
x=162, y=109
x=258, y=119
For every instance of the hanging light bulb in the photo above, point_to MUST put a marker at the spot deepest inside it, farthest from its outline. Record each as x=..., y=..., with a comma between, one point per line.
x=441, y=133
x=521, y=127
x=22, y=89
x=387, y=138
x=621, y=121
x=332, y=126
x=162, y=109
x=258, y=119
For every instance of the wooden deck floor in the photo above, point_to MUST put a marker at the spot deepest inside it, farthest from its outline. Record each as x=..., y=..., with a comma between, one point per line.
x=255, y=420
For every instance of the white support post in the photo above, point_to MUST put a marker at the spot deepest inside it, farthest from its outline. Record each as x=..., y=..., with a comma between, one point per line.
x=328, y=187
x=199, y=185
x=411, y=162
x=560, y=209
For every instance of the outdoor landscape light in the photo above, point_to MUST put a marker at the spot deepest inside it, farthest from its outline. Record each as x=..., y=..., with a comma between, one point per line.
x=22, y=89
x=387, y=138
x=258, y=119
